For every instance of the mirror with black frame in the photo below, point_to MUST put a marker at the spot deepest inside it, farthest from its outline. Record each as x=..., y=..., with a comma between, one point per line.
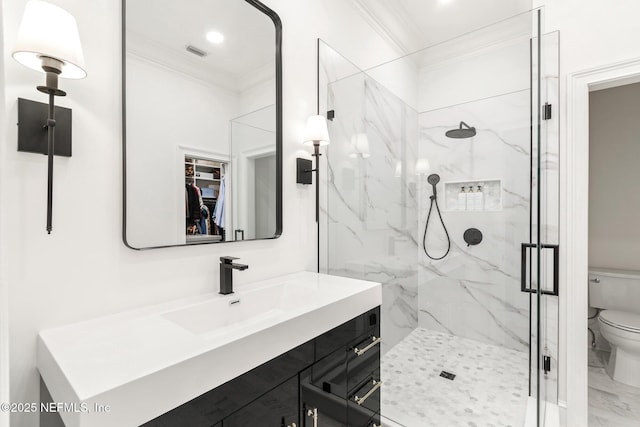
x=202, y=122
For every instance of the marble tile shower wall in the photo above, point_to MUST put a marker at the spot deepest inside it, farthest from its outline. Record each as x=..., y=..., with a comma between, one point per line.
x=371, y=197
x=475, y=291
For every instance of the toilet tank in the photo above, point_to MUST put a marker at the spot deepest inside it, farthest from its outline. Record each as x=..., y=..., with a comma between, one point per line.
x=614, y=289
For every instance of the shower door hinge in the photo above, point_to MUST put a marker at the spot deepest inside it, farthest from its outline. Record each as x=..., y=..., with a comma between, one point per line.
x=546, y=362
x=546, y=111
x=331, y=114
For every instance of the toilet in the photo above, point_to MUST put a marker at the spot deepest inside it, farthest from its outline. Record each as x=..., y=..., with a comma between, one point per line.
x=617, y=294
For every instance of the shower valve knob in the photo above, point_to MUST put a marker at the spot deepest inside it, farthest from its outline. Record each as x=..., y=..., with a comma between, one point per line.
x=596, y=280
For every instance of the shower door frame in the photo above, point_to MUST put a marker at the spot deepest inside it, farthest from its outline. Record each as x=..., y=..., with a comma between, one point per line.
x=538, y=98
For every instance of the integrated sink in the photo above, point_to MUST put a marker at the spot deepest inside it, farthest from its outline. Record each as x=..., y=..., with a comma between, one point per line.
x=229, y=314
x=145, y=362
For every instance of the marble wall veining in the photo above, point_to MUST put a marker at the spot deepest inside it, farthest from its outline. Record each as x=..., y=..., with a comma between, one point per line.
x=375, y=202
x=475, y=291
x=372, y=221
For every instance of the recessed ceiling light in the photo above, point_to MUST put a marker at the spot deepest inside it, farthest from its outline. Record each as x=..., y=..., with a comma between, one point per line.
x=445, y=1
x=215, y=37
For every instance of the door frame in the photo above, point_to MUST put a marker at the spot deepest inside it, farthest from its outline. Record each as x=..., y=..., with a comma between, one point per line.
x=574, y=224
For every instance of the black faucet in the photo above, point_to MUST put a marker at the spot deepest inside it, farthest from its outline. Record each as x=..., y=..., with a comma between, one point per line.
x=226, y=277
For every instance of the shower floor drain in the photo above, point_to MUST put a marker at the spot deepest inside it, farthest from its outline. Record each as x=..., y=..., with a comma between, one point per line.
x=447, y=375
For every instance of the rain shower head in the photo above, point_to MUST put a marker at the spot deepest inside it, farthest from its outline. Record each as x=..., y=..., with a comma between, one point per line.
x=462, y=132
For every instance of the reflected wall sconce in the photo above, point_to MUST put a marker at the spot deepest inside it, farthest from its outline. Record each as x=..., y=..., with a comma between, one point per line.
x=422, y=166
x=49, y=42
x=360, y=146
x=398, y=171
x=316, y=135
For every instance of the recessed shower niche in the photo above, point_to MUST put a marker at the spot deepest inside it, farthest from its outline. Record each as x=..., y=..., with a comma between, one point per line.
x=482, y=195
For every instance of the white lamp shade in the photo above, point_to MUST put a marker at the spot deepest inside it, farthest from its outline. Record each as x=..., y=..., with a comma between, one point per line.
x=316, y=131
x=422, y=166
x=47, y=30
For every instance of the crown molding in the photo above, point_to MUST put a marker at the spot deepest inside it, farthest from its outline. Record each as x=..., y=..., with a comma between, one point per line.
x=371, y=12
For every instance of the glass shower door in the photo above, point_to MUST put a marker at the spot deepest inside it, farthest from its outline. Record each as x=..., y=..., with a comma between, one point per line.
x=462, y=344
x=540, y=257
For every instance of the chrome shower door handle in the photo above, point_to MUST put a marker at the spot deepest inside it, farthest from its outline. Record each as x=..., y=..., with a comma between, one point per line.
x=595, y=280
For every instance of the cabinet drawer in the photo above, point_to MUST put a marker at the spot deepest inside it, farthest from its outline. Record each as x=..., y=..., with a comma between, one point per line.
x=348, y=333
x=363, y=363
x=368, y=394
x=364, y=404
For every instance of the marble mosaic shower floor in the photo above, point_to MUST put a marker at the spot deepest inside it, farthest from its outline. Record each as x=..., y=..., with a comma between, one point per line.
x=490, y=387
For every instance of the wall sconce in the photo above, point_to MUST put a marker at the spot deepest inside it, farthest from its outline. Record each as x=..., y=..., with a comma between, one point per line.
x=317, y=135
x=48, y=41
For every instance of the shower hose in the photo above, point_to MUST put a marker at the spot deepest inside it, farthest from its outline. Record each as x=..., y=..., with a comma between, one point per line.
x=434, y=201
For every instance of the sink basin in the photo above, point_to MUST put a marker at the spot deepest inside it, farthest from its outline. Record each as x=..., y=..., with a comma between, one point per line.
x=146, y=361
x=231, y=313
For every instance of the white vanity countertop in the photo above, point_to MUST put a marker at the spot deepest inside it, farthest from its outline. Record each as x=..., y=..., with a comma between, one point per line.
x=145, y=362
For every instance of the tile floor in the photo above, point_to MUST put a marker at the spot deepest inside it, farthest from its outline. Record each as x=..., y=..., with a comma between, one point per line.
x=490, y=387
x=611, y=404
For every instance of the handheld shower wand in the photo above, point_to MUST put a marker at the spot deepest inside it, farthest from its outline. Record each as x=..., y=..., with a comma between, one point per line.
x=434, y=179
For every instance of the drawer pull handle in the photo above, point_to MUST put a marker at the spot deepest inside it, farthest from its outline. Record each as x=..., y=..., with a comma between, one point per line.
x=361, y=400
x=374, y=341
x=313, y=413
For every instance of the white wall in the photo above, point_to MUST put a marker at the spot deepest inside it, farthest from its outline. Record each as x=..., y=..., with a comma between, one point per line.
x=592, y=33
x=257, y=97
x=614, y=175
x=492, y=71
x=83, y=270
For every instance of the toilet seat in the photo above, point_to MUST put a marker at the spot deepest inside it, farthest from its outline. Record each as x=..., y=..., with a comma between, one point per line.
x=623, y=320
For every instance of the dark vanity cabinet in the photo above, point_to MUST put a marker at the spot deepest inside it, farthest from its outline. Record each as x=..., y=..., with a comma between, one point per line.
x=342, y=388
x=332, y=380
x=277, y=407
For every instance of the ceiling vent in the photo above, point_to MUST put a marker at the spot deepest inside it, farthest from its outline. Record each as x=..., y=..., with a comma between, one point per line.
x=196, y=51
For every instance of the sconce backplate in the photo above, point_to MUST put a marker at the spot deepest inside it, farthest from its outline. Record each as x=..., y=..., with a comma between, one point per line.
x=32, y=130
x=303, y=171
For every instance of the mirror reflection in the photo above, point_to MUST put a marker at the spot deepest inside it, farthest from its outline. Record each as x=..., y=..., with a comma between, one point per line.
x=201, y=145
